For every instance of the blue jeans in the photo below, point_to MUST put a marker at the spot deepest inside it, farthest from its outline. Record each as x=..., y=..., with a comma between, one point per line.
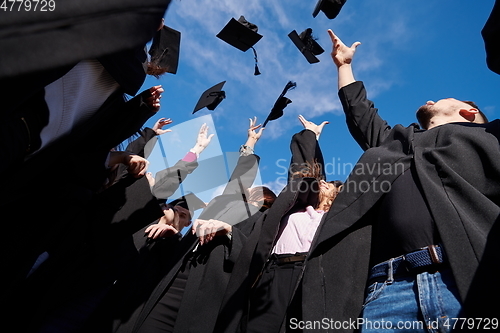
x=426, y=302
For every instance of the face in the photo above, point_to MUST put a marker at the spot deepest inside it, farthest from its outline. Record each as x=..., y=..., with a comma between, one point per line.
x=184, y=216
x=443, y=107
x=327, y=189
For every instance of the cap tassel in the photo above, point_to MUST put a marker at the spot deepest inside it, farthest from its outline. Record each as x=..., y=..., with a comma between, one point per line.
x=256, y=72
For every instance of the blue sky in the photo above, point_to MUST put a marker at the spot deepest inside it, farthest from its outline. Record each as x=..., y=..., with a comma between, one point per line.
x=411, y=52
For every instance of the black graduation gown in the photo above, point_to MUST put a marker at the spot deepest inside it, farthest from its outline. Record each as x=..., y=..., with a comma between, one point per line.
x=299, y=192
x=35, y=41
x=57, y=182
x=458, y=166
x=104, y=247
x=212, y=263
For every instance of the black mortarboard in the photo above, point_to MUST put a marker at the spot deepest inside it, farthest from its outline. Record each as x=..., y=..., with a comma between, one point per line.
x=190, y=202
x=165, y=48
x=280, y=104
x=242, y=35
x=306, y=44
x=211, y=97
x=331, y=8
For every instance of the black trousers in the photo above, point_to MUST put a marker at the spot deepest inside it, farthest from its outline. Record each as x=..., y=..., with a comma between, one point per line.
x=273, y=301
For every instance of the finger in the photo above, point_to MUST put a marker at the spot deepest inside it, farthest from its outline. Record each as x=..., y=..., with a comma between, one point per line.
x=197, y=224
x=210, y=137
x=355, y=45
x=210, y=237
x=302, y=120
x=155, y=233
x=154, y=88
x=332, y=35
x=151, y=232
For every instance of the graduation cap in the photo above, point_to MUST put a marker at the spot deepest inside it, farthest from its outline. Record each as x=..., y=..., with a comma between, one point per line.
x=242, y=35
x=306, y=44
x=331, y=8
x=280, y=104
x=164, y=50
x=190, y=202
x=211, y=97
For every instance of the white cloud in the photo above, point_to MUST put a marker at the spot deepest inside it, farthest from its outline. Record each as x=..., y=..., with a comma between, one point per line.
x=279, y=60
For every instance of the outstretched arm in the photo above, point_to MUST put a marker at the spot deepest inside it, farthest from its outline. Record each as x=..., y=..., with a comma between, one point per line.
x=305, y=148
x=364, y=123
x=168, y=180
x=342, y=57
x=245, y=171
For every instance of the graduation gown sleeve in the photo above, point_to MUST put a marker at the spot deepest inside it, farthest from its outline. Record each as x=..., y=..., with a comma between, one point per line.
x=363, y=121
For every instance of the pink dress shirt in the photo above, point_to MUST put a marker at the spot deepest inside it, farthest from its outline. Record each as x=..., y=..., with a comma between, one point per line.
x=297, y=231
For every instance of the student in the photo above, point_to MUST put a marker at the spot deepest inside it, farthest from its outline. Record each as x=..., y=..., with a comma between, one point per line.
x=203, y=261
x=99, y=251
x=417, y=242
x=268, y=272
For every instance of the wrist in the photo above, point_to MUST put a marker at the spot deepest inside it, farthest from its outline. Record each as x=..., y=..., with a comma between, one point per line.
x=197, y=149
x=251, y=142
x=246, y=150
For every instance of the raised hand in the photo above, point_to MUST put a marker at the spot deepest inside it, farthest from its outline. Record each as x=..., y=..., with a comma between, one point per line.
x=317, y=129
x=252, y=134
x=203, y=139
x=153, y=101
x=159, y=125
x=341, y=54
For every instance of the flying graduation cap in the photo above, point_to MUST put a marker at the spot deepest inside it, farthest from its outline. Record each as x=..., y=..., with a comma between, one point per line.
x=280, y=104
x=211, y=97
x=190, y=202
x=307, y=45
x=331, y=8
x=164, y=50
x=242, y=35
